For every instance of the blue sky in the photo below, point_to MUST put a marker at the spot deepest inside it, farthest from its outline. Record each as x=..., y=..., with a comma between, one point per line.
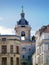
x=36, y=12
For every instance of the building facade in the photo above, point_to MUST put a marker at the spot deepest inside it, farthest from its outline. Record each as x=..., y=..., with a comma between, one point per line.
x=9, y=50
x=17, y=49
x=42, y=46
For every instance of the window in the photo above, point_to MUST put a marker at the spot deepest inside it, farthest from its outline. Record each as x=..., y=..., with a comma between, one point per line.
x=11, y=48
x=29, y=57
x=4, y=61
x=4, y=49
x=17, y=61
x=24, y=63
x=22, y=33
x=29, y=49
x=41, y=48
x=38, y=59
x=17, y=49
x=3, y=39
x=11, y=61
x=47, y=59
x=41, y=59
x=23, y=56
x=23, y=49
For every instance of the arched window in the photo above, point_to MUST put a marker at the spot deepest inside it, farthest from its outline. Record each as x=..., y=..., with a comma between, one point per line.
x=22, y=33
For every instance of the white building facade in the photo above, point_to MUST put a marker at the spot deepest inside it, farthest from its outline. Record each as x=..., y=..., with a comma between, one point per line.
x=42, y=46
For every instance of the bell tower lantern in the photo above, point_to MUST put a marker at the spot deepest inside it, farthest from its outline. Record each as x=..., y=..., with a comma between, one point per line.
x=23, y=28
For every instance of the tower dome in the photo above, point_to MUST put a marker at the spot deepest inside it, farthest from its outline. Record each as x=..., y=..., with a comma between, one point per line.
x=22, y=21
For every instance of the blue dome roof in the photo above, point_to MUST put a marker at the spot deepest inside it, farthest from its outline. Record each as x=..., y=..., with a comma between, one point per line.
x=22, y=22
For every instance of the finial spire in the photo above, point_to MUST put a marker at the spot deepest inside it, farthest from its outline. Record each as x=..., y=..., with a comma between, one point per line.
x=22, y=8
x=22, y=14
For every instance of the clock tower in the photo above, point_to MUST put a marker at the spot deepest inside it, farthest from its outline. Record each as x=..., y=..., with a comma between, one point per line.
x=23, y=28
x=27, y=46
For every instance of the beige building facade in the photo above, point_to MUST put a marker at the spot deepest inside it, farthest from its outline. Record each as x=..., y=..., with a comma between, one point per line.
x=9, y=50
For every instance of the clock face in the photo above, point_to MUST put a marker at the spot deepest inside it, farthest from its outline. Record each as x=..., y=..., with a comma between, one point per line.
x=23, y=38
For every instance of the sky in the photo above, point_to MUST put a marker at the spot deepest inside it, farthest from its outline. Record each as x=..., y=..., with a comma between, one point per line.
x=36, y=13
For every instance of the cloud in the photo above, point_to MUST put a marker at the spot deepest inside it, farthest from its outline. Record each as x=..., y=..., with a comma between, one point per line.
x=32, y=33
x=4, y=30
x=10, y=31
x=1, y=18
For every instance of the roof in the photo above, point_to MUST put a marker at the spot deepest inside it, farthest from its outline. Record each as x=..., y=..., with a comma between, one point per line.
x=44, y=29
x=10, y=37
x=22, y=22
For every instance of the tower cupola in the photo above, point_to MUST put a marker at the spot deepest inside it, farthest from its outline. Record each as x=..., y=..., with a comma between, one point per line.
x=22, y=21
